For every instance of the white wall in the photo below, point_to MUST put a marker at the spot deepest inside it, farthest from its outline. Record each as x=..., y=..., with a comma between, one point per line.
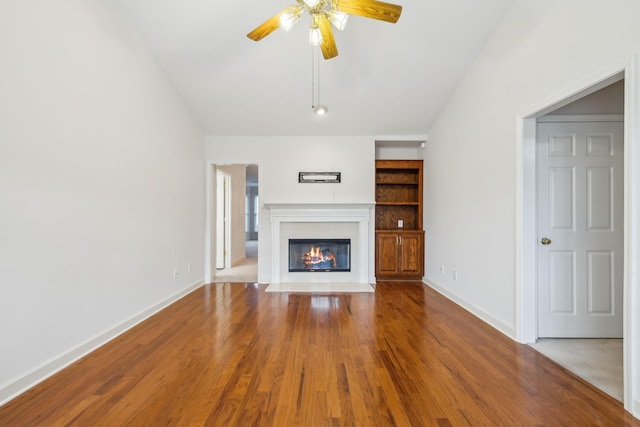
x=399, y=150
x=281, y=158
x=101, y=185
x=541, y=48
x=608, y=100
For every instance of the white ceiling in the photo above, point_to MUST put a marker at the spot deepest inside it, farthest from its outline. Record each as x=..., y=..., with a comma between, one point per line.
x=389, y=79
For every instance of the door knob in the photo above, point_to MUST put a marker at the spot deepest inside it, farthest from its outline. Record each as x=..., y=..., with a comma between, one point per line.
x=545, y=241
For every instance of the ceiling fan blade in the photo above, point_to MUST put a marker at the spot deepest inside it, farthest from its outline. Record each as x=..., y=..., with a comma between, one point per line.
x=266, y=28
x=328, y=46
x=370, y=9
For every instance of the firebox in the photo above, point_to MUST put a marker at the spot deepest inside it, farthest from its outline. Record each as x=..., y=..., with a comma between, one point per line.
x=319, y=255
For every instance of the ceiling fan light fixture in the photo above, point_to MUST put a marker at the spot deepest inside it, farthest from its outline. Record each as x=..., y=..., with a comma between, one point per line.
x=290, y=17
x=315, y=35
x=327, y=15
x=338, y=19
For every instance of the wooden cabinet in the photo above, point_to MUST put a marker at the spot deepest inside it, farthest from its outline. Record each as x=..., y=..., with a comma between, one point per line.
x=399, y=254
x=398, y=220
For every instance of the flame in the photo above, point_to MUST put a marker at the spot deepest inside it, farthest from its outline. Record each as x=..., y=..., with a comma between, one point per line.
x=314, y=256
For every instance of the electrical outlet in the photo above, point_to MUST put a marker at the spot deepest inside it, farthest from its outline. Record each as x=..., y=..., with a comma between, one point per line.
x=189, y=268
x=441, y=268
x=175, y=273
x=454, y=274
x=400, y=223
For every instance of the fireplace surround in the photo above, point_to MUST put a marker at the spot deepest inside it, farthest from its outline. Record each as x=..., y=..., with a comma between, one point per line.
x=321, y=221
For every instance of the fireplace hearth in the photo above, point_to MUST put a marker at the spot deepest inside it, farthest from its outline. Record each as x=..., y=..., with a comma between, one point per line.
x=319, y=255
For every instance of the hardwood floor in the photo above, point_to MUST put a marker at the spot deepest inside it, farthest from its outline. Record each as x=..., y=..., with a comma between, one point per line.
x=233, y=355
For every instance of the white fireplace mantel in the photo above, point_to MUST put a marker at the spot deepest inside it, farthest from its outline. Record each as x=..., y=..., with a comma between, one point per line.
x=359, y=213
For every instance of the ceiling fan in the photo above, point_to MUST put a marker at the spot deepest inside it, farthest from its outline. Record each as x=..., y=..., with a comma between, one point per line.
x=323, y=13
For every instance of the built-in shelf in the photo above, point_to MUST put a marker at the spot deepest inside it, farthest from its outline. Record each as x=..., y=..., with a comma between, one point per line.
x=398, y=219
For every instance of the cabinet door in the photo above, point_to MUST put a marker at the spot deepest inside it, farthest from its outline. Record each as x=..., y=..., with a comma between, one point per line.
x=386, y=253
x=411, y=255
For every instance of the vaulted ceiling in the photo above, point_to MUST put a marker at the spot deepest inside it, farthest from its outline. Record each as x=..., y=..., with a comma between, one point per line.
x=388, y=79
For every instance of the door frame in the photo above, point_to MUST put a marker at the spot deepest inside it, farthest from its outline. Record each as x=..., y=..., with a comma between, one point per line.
x=526, y=233
x=210, y=214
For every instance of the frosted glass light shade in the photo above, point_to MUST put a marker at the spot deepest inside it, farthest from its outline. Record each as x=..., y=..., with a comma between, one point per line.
x=289, y=18
x=315, y=36
x=338, y=19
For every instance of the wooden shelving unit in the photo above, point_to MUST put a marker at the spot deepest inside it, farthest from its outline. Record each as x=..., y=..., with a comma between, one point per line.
x=398, y=220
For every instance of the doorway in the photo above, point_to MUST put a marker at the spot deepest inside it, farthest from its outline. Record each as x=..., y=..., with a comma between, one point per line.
x=527, y=237
x=580, y=227
x=236, y=218
x=580, y=231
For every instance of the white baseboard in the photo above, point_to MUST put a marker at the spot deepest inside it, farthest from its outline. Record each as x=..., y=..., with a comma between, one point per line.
x=19, y=385
x=636, y=408
x=496, y=324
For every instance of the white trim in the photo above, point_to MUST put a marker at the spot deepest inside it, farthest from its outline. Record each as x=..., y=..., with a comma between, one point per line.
x=526, y=330
x=209, y=224
x=401, y=138
x=14, y=387
x=631, y=323
x=578, y=90
x=526, y=233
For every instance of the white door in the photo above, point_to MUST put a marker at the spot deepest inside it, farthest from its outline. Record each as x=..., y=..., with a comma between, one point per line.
x=580, y=229
x=222, y=184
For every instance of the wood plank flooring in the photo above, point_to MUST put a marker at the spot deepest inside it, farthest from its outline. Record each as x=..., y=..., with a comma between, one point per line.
x=233, y=355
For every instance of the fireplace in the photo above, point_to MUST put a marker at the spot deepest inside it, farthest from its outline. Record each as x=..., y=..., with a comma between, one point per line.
x=320, y=222
x=319, y=255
